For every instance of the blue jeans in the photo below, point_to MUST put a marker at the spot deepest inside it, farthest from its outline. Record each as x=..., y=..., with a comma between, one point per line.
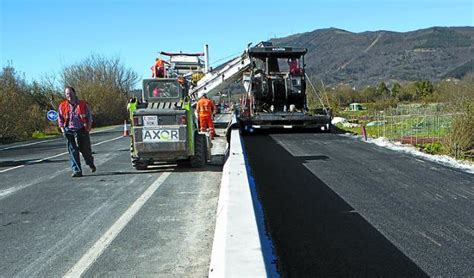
x=78, y=141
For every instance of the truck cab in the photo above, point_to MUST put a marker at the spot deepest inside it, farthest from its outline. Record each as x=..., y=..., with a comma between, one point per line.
x=164, y=128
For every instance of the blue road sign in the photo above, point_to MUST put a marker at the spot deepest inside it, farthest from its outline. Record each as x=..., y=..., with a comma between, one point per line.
x=52, y=115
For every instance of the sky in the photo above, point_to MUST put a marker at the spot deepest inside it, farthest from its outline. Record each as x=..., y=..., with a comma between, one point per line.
x=41, y=37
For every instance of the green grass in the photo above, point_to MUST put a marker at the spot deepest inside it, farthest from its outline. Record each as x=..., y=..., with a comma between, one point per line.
x=371, y=131
x=43, y=135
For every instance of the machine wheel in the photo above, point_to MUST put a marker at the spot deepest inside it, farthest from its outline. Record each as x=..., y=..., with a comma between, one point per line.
x=199, y=158
x=139, y=165
x=329, y=130
x=243, y=129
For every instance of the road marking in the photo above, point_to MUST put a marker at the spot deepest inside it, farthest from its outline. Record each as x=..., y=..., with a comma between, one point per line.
x=16, y=167
x=51, y=140
x=8, y=191
x=11, y=190
x=106, y=141
x=4, y=193
x=29, y=144
x=100, y=245
x=430, y=239
x=54, y=156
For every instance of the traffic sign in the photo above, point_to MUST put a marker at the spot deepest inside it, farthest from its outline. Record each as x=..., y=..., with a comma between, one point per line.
x=52, y=115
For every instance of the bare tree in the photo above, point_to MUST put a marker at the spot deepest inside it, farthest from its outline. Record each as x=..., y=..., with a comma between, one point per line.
x=105, y=83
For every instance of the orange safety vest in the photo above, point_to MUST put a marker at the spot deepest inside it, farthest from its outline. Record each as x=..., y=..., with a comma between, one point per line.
x=205, y=107
x=65, y=109
x=159, y=65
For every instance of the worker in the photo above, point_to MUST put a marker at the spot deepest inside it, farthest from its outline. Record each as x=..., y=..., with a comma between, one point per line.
x=205, y=108
x=156, y=92
x=195, y=77
x=75, y=121
x=158, y=69
x=132, y=106
x=181, y=81
x=294, y=66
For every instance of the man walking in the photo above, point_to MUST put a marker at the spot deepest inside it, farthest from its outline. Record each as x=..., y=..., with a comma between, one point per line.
x=205, y=109
x=75, y=120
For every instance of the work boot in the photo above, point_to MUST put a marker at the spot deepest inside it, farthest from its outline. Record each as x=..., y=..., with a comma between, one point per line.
x=76, y=174
x=93, y=168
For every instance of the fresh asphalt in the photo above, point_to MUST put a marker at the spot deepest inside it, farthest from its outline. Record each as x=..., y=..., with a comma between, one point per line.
x=49, y=221
x=337, y=206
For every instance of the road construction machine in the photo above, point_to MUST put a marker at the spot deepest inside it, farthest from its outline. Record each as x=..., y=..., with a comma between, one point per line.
x=165, y=127
x=274, y=79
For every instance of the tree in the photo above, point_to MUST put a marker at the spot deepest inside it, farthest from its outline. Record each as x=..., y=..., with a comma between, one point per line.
x=424, y=89
x=383, y=91
x=395, y=91
x=407, y=92
x=369, y=94
x=20, y=115
x=105, y=83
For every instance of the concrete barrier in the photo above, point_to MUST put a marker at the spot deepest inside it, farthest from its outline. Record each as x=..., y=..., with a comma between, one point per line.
x=237, y=248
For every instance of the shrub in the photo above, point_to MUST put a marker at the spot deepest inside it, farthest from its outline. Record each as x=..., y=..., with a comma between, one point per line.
x=432, y=148
x=460, y=140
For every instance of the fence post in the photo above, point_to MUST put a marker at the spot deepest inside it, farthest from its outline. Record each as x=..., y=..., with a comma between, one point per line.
x=364, y=133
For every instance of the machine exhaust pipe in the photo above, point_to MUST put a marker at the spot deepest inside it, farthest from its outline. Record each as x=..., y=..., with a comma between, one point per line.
x=206, y=58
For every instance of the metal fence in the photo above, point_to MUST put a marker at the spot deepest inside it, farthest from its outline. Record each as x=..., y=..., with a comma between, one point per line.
x=412, y=124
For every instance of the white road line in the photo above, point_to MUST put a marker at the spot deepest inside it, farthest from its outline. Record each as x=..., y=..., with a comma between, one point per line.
x=99, y=247
x=6, y=192
x=110, y=140
x=29, y=144
x=430, y=239
x=54, y=156
x=44, y=141
x=16, y=167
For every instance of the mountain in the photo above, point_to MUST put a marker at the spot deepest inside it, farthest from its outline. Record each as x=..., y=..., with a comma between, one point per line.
x=338, y=56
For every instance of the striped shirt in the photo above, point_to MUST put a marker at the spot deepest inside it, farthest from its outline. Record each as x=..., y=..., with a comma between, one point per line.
x=74, y=119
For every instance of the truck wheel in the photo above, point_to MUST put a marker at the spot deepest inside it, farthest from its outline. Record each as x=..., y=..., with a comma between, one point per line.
x=199, y=158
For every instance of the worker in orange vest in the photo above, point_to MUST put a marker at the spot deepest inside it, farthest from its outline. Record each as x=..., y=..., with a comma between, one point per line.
x=158, y=69
x=75, y=120
x=205, y=109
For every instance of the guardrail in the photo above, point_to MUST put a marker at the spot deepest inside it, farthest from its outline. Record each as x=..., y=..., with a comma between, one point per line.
x=237, y=248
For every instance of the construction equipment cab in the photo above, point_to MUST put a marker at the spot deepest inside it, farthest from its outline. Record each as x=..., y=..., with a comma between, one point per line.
x=165, y=128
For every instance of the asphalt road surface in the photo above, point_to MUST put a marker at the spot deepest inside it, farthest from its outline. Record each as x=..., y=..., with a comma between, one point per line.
x=115, y=222
x=336, y=206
